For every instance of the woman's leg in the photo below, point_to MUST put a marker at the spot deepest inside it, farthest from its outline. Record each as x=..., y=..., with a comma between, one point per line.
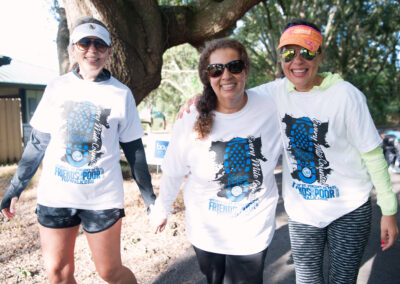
x=307, y=244
x=245, y=269
x=58, y=253
x=106, y=252
x=347, y=238
x=212, y=265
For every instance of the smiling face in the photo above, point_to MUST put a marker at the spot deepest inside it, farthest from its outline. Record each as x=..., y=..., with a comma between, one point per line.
x=90, y=61
x=301, y=72
x=228, y=87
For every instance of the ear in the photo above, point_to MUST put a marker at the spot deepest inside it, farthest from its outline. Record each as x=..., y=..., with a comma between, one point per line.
x=72, y=48
x=246, y=73
x=321, y=55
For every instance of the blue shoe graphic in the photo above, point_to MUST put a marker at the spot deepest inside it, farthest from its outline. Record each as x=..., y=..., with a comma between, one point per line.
x=303, y=149
x=237, y=165
x=80, y=130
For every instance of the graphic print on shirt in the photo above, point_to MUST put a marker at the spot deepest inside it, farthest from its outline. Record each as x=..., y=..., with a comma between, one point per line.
x=240, y=175
x=306, y=139
x=84, y=124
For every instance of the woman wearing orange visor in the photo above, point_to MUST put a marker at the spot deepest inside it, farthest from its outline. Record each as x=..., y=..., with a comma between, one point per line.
x=332, y=159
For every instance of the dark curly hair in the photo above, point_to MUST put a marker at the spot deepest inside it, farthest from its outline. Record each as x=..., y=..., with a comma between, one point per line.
x=300, y=22
x=208, y=100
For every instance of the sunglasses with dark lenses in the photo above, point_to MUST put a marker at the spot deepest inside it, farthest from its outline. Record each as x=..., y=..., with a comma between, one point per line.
x=288, y=54
x=84, y=44
x=216, y=70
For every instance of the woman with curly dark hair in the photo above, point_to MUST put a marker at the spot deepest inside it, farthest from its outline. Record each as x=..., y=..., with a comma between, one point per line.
x=208, y=100
x=228, y=148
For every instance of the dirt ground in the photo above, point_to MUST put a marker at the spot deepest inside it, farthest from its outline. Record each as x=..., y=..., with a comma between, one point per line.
x=145, y=253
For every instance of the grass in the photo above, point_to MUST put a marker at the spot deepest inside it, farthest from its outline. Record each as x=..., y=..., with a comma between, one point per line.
x=7, y=171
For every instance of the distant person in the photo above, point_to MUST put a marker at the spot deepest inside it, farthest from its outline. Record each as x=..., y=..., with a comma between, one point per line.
x=78, y=126
x=391, y=149
x=229, y=148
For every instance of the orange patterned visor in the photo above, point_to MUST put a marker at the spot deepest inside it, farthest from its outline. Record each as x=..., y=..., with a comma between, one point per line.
x=302, y=35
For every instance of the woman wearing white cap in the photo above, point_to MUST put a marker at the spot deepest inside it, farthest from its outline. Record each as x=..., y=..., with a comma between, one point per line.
x=78, y=126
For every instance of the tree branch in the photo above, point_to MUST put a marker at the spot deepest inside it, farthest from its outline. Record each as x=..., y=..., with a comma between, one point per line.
x=210, y=20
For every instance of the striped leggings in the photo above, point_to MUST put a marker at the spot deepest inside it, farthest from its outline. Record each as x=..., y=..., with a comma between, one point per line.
x=346, y=239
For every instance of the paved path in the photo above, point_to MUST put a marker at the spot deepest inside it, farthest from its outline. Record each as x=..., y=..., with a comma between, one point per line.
x=377, y=267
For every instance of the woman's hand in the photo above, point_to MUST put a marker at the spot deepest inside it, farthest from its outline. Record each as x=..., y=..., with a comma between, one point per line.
x=10, y=211
x=389, y=231
x=161, y=226
x=157, y=220
x=186, y=107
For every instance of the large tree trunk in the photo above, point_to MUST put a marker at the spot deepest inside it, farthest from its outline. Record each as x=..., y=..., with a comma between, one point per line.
x=62, y=42
x=141, y=31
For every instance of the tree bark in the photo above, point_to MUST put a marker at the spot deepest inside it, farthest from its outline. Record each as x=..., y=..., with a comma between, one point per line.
x=142, y=31
x=62, y=42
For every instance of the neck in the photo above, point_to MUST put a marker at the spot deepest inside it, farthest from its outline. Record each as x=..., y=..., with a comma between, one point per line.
x=88, y=76
x=316, y=82
x=232, y=106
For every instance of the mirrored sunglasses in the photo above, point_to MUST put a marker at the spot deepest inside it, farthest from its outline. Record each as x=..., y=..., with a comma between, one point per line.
x=216, y=70
x=288, y=54
x=84, y=44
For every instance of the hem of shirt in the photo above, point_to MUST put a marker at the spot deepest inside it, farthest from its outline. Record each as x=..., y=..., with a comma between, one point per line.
x=40, y=129
x=136, y=137
x=327, y=223
x=237, y=252
x=82, y=207
x=369, y=149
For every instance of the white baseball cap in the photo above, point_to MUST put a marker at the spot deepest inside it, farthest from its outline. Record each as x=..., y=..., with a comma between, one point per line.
x=90, y=29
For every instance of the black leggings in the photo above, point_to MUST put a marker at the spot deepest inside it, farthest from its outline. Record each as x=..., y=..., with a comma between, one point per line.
x=231, y=269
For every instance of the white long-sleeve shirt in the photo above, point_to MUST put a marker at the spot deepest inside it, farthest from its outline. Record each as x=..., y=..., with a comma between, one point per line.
x=230, y=194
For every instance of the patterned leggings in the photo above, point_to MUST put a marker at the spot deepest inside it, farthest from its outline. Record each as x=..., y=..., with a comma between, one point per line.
x=346, y=239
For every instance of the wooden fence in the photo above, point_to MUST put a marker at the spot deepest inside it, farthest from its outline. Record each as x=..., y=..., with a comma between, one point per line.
x=10, y=130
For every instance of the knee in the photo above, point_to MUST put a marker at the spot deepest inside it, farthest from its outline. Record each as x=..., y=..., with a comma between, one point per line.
x=109, y=274
x=59, y=273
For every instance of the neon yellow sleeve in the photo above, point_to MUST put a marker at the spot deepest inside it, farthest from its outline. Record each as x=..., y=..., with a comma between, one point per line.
x=378, y=170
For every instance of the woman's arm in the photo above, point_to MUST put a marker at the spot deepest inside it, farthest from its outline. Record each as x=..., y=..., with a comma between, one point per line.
x=27, y=167
x=134, y=153
x=169, y=189
x=386, y=198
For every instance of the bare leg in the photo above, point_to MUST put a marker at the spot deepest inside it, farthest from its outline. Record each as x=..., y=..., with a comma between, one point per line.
x=58, y=253
x=106, y=253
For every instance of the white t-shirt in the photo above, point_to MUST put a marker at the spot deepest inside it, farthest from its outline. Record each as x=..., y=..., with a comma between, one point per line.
x=323, y=133
x=230, y=195
x=86, y=120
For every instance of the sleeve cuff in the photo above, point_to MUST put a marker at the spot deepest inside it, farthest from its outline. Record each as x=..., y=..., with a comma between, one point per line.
x=388, y=203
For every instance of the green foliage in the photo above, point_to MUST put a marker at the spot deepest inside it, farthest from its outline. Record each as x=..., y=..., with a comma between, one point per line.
x=361, y=43
x=24, y=274
x=55, y=9
x=188, y=3
x=179, y=81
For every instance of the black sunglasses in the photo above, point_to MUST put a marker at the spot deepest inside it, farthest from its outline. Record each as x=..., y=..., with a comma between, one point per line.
x=288, y=54
x=84, y=44
x=216, y=70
